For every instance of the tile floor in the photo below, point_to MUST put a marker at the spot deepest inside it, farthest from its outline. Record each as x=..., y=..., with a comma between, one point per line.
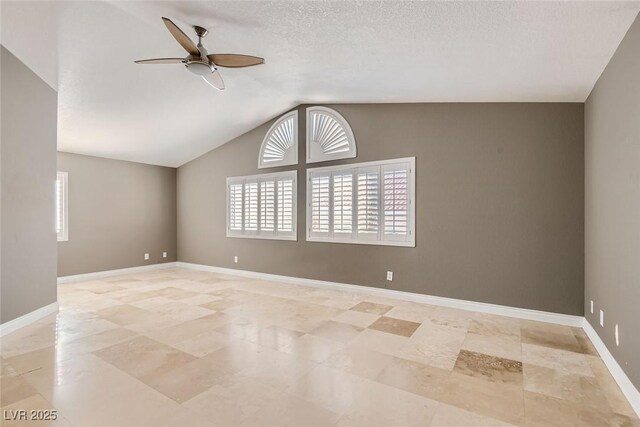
x=180, y=348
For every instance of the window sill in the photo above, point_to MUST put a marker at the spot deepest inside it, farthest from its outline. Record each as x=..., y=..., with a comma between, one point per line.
x=238, y=236
x=411, y=244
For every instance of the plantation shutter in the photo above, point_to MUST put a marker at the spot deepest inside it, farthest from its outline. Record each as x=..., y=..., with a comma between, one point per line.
x=368, y=216
x=286, y=205
x=368, y=203
x=343, y=204
x=320, y=204
x=262, y=206
x=251, y=206
x=267, y=205
x=235, y=207
x=396, y=201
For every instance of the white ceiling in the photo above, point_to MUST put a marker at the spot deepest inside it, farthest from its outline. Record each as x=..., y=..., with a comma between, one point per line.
x=316, y=52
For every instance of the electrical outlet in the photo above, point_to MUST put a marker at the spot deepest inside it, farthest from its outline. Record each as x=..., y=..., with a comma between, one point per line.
x=235, y=259
x=601, y=318
x=164, y=254
x=591, y=306
x=390, y=276
x=617, y=331
x=146, y=256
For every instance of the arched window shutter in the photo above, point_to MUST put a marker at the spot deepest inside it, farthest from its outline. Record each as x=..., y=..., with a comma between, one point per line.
x=329, y=136
x=280, y=145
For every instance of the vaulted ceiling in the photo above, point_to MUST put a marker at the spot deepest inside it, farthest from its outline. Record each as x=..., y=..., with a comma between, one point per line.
x=316, y=52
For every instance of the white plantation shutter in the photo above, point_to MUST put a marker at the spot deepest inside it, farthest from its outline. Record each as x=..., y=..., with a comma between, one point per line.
x=280, y=144
x=262, y=206
x=329, y=136
x=395, y=199
x=251, y=206
x=343, y=203
x=235, y=207
x=320, y=204
x=62, y=220
x=267, y=205
x=286, y=205
x=369, y=203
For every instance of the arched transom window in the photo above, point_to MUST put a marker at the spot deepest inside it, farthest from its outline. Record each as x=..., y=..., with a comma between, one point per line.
x=329, y=136
x=280, y=145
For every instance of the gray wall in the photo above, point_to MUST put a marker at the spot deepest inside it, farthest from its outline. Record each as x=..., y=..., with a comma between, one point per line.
x=118, y=211
x=28, y=173
x=500, y=205
x=612, y=179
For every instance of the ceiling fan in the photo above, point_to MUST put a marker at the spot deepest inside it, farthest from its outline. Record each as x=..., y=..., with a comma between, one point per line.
x=199, y=61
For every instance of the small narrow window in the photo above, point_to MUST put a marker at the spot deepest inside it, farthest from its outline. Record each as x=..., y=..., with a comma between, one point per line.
x=262, y=206
x=370, y=203
x=62, y=211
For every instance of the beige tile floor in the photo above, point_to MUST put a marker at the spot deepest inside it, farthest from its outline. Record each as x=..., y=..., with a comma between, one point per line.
x=187, y=348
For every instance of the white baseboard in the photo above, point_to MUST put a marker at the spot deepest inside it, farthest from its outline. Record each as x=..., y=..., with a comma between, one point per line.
x=631, y=393
x=27, y=319
x=519, y=313
x=109, y=273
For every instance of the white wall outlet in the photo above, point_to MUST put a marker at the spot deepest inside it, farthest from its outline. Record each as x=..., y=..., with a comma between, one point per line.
x=146, y=256
x=235, y=259
x=601, y=318
x=617, y=331
x=164, y=254
x=390, y=276
x=591, y=306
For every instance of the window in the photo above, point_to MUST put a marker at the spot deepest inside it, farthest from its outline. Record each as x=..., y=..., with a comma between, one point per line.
x=262, y=206
x=329, y=136
x=280, y=144
x=369, y=203
x=62, y=211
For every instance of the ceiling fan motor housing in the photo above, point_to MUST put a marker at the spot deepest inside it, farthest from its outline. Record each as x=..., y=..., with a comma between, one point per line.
x=199, y=67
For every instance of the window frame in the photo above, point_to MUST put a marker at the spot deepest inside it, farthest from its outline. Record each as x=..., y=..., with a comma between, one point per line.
x=259, y=179
x=355, y=237
x=63, y=235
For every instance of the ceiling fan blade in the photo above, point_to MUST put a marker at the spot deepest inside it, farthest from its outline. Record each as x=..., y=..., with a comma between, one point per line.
x=181, y=37
x=160, y=61
x=215, y=80
x=231, y=60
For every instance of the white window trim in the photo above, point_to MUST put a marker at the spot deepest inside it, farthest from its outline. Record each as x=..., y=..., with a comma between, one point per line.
x=268, y=235
x=411, y=242
x=294, y=150
x=345, y=125
x=63, y=235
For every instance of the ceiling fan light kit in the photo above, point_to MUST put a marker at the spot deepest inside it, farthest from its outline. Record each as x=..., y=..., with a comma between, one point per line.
x=199, y=61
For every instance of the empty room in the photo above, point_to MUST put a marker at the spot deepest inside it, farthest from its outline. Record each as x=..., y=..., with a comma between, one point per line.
x=320, y=213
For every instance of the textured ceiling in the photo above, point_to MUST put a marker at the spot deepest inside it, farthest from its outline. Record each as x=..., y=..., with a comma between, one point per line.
x=315, y=52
